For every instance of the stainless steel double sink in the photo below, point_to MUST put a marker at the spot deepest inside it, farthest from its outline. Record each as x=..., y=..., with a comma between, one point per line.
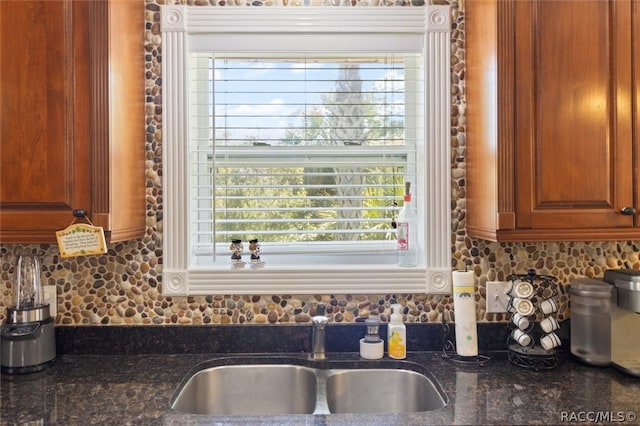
x=265, y=388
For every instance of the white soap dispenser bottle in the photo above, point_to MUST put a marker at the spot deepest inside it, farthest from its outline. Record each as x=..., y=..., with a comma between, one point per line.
x=397, y=334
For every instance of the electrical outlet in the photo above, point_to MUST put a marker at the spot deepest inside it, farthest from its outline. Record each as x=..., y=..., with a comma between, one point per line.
x=52, y=298
x=497, y=301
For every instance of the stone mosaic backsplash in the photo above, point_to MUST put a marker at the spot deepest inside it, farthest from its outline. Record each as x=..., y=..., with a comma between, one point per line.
x=123, y=286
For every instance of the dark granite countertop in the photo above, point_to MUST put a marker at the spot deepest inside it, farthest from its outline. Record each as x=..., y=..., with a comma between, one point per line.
x=136, y=389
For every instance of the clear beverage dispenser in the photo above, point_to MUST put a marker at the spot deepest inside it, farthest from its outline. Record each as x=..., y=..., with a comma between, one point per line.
x=28, y=294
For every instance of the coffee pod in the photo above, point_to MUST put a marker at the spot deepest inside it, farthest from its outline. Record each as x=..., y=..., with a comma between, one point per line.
x=508, y=288
x=521, y=337
x=522, y=306
x=548, y=306
x=521, y=289
x=549, y=324
x=550, y=341
x=520, y=321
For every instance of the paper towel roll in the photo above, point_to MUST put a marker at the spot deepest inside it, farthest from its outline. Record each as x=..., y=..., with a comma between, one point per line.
x=464, y=307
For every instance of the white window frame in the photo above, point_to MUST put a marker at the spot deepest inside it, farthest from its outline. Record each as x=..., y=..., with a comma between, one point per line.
x=184, y=28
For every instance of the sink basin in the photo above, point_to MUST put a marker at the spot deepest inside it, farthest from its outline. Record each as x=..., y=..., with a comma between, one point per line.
x=280, y=389
x=381, y=391
x=249, y=390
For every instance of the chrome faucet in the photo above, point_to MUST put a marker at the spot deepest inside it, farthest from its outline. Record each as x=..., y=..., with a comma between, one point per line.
x=318, y=351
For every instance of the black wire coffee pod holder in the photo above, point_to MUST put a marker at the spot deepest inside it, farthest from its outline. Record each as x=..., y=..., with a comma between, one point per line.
x=532, y=342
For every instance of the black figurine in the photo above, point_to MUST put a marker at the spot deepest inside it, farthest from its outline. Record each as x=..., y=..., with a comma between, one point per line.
x=236, y=248
x=254, y=248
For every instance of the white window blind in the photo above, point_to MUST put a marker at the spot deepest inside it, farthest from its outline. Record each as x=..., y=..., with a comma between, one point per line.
x=306, y=153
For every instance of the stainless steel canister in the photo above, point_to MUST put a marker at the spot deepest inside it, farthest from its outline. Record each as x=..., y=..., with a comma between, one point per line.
x=591, y=320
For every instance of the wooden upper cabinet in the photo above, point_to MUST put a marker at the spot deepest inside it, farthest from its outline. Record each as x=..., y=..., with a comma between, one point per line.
x=71, y=117
x=44, y=118
x=550, y=129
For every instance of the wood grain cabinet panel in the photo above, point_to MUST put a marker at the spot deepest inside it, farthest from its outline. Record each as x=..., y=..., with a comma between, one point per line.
x=552, y=120
x=71, y=117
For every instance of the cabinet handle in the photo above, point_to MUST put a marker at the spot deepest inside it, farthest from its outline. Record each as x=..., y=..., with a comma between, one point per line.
x=628, y=211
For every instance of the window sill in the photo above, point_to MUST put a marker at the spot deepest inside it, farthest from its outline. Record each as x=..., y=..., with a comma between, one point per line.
x=344, y=279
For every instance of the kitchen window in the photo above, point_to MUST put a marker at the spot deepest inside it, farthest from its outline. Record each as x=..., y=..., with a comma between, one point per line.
x=298, y=127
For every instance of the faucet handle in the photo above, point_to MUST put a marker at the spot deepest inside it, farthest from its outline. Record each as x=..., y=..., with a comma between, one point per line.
x=319, y=321
x=318, y=351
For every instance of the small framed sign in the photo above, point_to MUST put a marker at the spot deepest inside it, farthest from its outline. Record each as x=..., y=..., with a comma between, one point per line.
x=81, y=239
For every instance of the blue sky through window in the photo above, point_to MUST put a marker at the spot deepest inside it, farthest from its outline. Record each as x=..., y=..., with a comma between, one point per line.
x=264, y=99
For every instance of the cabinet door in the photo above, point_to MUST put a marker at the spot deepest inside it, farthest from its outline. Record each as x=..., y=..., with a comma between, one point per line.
x=635, y=51
x=573, y=137
x=117, y=118
x=44, y=119
x=71, y=117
